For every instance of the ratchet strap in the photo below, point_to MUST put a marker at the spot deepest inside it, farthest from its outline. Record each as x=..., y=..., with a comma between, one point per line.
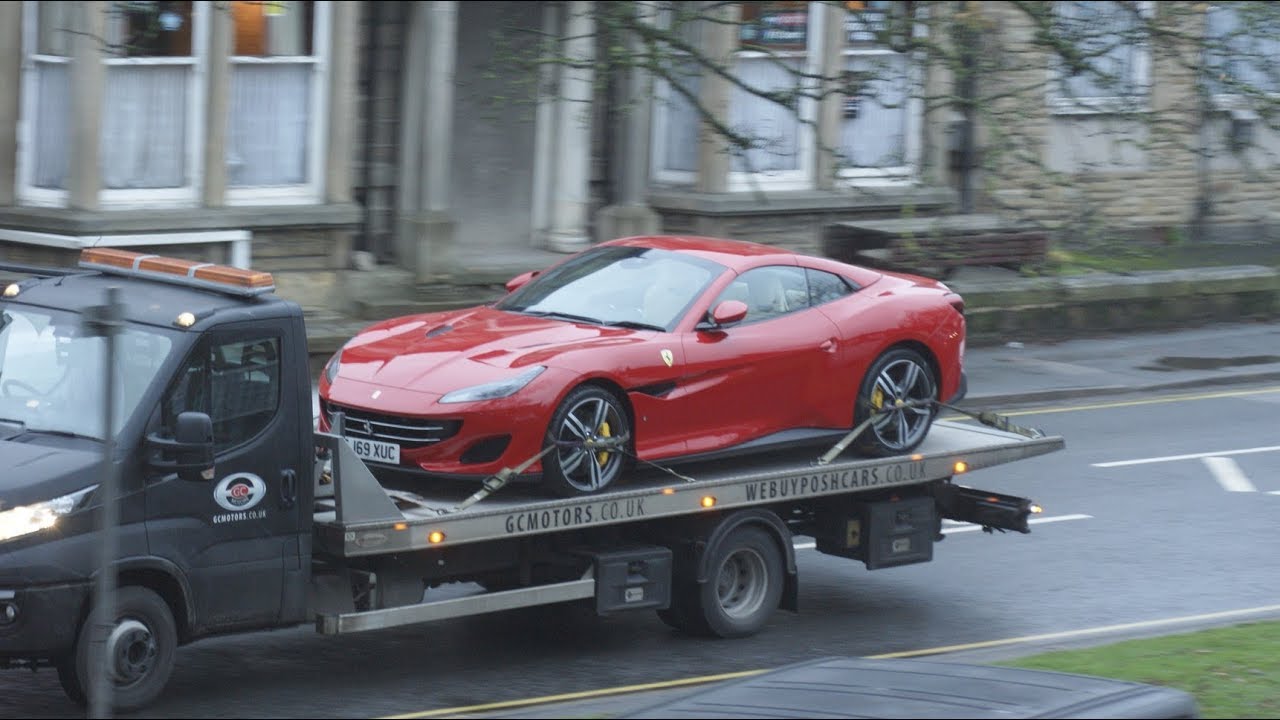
x=989, y=418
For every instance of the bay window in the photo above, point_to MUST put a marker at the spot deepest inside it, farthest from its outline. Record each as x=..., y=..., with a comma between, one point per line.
x=275, y=120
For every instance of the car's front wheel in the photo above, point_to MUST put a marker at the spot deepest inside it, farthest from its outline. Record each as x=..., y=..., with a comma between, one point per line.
x=588, y=413
x=898, y=390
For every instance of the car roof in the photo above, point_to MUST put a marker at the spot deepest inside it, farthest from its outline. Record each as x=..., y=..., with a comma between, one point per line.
x=880, y=688
x=731, y=253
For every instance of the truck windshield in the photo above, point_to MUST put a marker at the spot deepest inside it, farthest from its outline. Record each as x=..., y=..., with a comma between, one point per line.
x=52, y=374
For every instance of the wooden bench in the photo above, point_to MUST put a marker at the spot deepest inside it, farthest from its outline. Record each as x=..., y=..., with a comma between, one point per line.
x=937, y=246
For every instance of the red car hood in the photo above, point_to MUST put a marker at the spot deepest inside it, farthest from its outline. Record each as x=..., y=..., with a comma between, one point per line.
x=440, y=352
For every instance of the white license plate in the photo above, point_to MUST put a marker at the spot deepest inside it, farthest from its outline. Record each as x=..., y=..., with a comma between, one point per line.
x=375, y=450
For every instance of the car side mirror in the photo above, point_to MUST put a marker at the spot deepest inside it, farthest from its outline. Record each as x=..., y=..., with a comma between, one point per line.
x=727, y=313
x=189, y=452
x=521, y=280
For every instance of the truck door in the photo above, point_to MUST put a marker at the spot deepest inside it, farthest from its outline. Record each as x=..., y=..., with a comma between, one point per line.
x=236, y=535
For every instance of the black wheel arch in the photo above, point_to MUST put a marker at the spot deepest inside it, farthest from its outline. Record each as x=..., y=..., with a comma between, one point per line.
x=164, y=578
x=769, y=522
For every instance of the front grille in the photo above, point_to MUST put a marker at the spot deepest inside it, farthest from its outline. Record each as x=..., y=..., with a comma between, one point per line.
x=407, y=432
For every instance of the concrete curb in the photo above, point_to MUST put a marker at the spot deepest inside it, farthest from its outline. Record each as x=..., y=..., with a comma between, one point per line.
x=987, y=402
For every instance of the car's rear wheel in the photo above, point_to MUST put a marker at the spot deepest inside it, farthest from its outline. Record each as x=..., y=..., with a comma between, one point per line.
x=898, y=389
x=589, y=413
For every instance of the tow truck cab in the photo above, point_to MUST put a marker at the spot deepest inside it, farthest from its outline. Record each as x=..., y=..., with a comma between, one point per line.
x=209, y=365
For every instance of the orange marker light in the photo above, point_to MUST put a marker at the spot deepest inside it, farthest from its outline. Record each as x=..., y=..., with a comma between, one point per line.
x=668, y=491
x=402, y=526
x=436, y=537
x=961, y=466
x=917, y=456
x=708, y=501
x=12, y=290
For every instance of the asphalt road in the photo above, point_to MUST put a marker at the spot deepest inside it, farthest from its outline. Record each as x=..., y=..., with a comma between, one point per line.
x=1125, y=543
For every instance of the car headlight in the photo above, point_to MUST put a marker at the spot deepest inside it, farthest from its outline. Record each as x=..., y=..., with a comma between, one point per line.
x=331, y=367
x=494, y=390
x=26, y=519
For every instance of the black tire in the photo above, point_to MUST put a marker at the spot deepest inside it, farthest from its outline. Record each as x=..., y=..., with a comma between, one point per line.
x=70, y=680
x=899, y=375
x=147, y=642
x=743, y=588
x=591, y=412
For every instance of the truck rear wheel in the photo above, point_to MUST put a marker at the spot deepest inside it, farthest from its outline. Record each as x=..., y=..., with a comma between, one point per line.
x=141, y=647
x=743, y=587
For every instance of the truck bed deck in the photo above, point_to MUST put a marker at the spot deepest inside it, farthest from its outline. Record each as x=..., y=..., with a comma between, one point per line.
x=363, y=518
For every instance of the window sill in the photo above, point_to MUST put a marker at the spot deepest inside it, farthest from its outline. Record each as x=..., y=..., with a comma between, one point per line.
x=65, y=221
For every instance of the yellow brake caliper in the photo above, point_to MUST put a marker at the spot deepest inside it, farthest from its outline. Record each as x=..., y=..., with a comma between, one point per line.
x=602, y=457
x=877, y=398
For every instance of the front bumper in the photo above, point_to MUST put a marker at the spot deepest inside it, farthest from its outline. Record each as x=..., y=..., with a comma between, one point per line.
x=48, y=618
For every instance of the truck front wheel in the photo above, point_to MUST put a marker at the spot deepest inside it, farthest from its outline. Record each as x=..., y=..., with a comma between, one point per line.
x=141, y=646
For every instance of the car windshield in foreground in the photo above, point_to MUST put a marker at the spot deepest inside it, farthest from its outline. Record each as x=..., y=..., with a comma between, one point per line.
x=617, y=286
x=51, y=372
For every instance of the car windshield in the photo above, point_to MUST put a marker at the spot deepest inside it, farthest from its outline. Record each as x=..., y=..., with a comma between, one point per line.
x=51, y=372
x=617, y=285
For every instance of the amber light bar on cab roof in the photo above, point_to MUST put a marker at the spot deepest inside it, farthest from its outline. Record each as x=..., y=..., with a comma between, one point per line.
x=191, y=273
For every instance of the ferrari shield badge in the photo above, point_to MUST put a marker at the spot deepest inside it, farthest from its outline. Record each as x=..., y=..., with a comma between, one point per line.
x=375, y=394
x=667, y=357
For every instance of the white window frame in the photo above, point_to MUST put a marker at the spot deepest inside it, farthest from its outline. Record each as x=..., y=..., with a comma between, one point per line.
x=661, y=118
x=312, y=190
x=1060, y=105
x=187, y=195
x=1231, y=102
x=912, y=142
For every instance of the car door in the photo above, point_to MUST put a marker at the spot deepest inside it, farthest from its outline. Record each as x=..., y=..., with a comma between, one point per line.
x=764, y=374
x=235, y=535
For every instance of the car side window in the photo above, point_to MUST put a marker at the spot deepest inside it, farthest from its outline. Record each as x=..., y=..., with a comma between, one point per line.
x=769, y=292
x=236, y=383
x=825, y=287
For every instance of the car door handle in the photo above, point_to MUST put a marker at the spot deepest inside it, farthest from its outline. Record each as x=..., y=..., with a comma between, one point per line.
x=829, y=345
x=288, y=488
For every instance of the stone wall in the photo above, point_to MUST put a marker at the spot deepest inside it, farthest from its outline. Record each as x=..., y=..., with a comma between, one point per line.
x=1100, y=176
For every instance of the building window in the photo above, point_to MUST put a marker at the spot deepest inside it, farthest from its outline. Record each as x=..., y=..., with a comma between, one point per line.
x=881, y=111
x=152, y=105
x=1106, y=66
x=779, y=53
x=277, y=93
x=1242, y=45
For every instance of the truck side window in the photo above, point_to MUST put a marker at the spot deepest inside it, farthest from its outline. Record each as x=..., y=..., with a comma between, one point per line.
x=237, y=384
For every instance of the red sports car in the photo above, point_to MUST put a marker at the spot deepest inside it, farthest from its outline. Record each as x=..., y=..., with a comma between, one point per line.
x=676, y=347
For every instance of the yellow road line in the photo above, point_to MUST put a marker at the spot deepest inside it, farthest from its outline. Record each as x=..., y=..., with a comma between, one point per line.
x=700, y=680
x=1130, y=403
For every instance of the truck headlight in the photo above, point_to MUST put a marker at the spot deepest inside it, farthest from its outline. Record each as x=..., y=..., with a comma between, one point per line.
x=494, y=390
x=26, y=519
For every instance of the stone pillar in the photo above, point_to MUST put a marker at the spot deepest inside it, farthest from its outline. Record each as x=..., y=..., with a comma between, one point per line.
x=544, y=134
x=571, y=197
x=10, y=81
x=629, y=215
x=88, y=87
x=427, y=227
x=217, y=105
x=720, y=39
x=344, y=35
x=830, y=117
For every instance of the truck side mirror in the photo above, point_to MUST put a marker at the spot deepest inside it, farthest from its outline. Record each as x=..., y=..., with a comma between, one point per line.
x=190, y=451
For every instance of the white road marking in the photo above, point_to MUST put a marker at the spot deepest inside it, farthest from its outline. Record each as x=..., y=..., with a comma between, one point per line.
x=951, y=526
x=1192, y=456
x=1273, y=492
x=1228, y=474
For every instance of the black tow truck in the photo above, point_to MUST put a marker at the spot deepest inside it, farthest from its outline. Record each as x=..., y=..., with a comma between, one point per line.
x=235, y=514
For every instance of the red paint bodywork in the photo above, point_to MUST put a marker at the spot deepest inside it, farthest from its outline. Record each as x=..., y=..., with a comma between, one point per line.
x=800, y=370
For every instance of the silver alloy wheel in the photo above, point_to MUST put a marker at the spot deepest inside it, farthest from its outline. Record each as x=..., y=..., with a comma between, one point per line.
x=132, y=650
x=742, y=583
x=594, y=418
x=900, y=384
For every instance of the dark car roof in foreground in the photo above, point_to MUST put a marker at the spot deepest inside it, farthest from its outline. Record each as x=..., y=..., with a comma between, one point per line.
x=860, y=687
x=147, y=301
